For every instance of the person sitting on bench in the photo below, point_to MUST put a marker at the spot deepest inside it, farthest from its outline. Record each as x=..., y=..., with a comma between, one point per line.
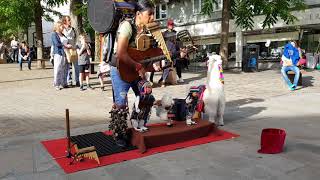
x=290, y=61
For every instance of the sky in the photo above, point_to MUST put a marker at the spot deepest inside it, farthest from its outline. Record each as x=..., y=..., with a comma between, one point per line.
x=64, y=10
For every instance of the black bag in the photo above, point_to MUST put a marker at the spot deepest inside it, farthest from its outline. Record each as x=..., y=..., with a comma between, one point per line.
x=180, y=109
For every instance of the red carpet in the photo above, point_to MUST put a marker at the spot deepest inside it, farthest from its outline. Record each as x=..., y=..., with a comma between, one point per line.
x=57, y=149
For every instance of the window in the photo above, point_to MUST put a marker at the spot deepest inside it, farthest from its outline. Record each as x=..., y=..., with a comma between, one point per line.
x=161, y=11
x=197, y=6
x=217, y=6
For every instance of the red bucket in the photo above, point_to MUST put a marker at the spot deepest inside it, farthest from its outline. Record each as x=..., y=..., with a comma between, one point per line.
x=272, y=141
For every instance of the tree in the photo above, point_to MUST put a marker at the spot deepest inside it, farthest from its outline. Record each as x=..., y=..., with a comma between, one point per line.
x=15, y=17
x=243, y=11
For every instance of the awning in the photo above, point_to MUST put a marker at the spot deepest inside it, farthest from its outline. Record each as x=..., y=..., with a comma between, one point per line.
x=284, y=36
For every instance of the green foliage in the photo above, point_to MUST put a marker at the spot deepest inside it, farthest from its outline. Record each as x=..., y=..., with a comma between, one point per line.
x=52, y=3
x=81, y=9
x=15, y=16
x=243, y=11
x=207, y=6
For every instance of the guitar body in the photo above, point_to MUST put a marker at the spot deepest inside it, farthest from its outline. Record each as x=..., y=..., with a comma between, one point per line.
x=129, y=73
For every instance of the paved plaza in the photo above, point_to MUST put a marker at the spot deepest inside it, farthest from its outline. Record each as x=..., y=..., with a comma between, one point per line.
x=31, y=110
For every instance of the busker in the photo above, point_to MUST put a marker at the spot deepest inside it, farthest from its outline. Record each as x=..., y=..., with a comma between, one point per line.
x=126, y=35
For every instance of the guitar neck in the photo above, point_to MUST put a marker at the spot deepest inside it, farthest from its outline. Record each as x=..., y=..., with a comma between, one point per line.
x=153, y=59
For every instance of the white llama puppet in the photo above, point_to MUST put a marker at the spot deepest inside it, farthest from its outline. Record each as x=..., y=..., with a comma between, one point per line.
x=213, y=97
x=164, y=107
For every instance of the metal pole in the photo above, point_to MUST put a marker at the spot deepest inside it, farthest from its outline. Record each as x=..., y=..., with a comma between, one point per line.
x=68, y=134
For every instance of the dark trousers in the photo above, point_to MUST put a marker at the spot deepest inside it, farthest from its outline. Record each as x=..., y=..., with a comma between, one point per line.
x=15, y=54
x=151, y=76
x=179, y=65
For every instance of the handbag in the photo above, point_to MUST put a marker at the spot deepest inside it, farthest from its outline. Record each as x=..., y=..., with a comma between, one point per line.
x=72, y=55
x=172, y=77
x=286, y=61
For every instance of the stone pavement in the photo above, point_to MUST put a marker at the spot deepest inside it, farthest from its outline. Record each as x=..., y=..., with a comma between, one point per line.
x=31, y=110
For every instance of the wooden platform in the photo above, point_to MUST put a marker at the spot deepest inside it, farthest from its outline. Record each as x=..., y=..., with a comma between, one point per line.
x=160, y=135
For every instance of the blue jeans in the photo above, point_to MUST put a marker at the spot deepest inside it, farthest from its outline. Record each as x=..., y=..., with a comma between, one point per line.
x=75, y=72
x=296, y=71
x=121, y=88
x=29, y=62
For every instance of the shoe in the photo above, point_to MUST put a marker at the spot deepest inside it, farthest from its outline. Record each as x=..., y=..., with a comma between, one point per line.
x=81, y=88
x=78, y=84
x=292, y=87
x=169, y=124
x=221, y=124
x=162, y=84
x=90, y=87
x=189, y=122
x=180, y=80
x=57, y=88
x=102, y=88
x=121, y=142
x=142, y=127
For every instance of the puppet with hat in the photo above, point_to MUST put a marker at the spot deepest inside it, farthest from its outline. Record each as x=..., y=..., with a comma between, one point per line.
x=142, y=106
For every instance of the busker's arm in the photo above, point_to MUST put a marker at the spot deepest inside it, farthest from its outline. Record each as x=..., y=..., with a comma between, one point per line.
x=123, y=56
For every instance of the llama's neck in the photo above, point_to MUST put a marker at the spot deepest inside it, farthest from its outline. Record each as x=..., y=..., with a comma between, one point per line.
x=215, y=77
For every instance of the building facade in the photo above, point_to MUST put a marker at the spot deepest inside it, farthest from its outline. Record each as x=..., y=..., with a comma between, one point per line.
x=206, y=29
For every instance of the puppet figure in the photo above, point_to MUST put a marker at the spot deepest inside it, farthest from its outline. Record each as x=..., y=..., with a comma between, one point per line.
x=164, y=109
x=142, y=106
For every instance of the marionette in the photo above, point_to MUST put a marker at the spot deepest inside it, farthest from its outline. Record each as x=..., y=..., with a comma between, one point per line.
x=142, y=106
x=192, y=101
x=164, y=109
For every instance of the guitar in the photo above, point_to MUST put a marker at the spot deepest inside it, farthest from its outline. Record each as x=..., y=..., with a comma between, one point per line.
x=146, y=58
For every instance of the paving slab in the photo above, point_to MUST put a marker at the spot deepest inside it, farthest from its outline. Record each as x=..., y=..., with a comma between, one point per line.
x=31, y=111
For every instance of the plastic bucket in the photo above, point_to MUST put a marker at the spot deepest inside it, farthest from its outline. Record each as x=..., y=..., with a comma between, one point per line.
x=272, y=141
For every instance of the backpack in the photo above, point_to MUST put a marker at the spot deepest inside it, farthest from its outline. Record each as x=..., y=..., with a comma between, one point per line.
x=105, y=17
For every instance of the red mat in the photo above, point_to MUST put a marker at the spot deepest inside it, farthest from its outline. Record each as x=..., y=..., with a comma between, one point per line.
x=57, y=149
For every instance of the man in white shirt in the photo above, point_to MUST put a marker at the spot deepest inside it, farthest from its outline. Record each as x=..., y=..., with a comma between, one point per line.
x=15, y=49
x=70, y=33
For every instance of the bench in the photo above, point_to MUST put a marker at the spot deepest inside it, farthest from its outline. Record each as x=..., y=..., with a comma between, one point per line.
x=291, y=77
x=92, y=64
x=41, y=63
x=3, y=61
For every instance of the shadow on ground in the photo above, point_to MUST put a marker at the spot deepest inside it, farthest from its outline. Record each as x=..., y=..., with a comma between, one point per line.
x=240, y=102
x=235, y=113
x=30, y=79
x=307, y=81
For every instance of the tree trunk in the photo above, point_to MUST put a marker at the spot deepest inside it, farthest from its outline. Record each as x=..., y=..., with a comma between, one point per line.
x=38, y=12
x=76, y=20
x=97, y=47
x=225, y=33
